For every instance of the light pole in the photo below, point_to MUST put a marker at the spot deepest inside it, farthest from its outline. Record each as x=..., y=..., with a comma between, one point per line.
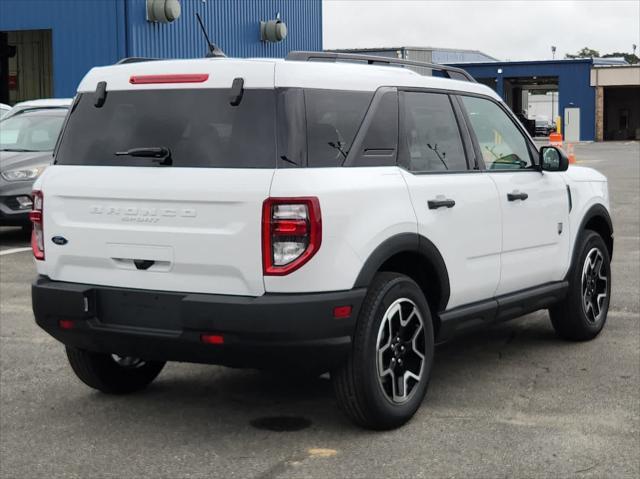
x=553, y=52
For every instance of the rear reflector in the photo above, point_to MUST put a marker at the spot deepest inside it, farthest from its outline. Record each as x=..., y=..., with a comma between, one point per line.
x=212, y=338
x=66, y=324
x=341, y=312
x=184, y=78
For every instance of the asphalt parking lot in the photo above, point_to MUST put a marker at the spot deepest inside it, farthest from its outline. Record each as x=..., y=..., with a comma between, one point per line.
x=510, y=401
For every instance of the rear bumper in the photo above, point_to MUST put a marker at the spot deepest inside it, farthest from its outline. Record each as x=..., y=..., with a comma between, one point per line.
x=260, y=331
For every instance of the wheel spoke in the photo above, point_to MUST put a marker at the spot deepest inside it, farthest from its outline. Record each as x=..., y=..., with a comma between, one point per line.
x=400, y=354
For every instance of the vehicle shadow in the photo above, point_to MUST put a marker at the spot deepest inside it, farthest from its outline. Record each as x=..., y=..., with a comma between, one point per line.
x=13, y=237
x=225, y=399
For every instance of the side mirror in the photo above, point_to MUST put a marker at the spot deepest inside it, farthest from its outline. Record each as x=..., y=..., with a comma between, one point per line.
x=553, y=159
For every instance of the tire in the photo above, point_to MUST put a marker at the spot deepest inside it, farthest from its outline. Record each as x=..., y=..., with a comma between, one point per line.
x=368, y=397
x=574, y=319
x=104, y=373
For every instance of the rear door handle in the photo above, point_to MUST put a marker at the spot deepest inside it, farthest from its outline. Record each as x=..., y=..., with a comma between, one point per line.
x=516, y=195
x=444, y=203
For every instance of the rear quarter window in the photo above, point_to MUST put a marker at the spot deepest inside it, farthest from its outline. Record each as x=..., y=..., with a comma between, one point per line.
x=200, y=128
x=333, y=119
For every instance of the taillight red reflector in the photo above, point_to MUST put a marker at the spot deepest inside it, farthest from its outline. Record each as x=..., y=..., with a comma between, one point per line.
x=212, y=338
x=66, y=324
x=179, y=78
x=37, y=233
x=289, y=227
x=342, y=312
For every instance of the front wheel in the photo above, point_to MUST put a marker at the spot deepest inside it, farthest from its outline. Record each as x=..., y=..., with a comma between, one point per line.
x=583, y=313
x=385, y=377
x=111, y=373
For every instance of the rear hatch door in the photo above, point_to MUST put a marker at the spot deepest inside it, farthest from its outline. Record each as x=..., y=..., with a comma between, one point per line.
x=191, y=225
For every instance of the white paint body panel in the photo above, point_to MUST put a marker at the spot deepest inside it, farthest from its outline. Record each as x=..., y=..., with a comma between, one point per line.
x=361, y=208
x=200, y=225
x=468, y=235
x=533, y=252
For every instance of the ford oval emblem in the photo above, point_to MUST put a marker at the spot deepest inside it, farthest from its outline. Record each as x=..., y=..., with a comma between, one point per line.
x=59, y=240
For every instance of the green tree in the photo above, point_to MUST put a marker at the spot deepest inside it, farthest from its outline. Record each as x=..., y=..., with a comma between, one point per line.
x=586, y=52
x=629, y=57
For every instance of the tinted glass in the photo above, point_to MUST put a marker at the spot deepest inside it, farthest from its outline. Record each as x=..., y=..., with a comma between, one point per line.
x=333, y=119
x=503, y=145
x=199, y=127
x=379, y=143
x=32, y=131
x=430, y=136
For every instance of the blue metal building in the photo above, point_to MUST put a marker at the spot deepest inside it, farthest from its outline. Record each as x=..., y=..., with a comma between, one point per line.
x=570, y=78
x=51, y=44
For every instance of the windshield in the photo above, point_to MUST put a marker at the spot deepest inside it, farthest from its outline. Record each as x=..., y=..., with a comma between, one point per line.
x=35, y=130
x=197, y=128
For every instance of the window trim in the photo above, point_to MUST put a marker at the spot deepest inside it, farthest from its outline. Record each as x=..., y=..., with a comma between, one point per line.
x=531, y=148
x=363, y=129
x=461, y=131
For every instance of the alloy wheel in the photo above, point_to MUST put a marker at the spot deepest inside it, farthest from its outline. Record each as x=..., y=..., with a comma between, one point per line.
x=594, y=286
x=400, y=351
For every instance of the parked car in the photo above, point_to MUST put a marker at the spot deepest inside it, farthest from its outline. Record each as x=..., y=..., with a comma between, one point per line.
x=41, y=104
x=27, y=139
x=544, y=127
x=297, y=214
x=4, y=109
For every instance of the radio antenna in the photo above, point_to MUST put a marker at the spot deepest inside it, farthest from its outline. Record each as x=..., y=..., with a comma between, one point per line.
x=214, y=51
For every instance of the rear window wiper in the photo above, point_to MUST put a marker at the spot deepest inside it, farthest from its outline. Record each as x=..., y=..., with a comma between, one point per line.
x=160, y=154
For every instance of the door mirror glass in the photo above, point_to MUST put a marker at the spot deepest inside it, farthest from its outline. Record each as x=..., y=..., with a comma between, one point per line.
x=553, y=159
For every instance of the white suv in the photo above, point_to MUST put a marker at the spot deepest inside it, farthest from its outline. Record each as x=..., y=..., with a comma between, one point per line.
x=297, y=214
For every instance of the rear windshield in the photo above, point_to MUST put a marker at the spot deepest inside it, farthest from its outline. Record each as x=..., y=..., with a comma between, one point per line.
x=199, y=127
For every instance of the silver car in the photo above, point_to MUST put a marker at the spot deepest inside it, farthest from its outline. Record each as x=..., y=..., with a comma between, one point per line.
x=27, y=140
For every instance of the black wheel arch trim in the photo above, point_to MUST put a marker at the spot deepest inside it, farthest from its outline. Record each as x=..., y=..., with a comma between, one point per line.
x=407, y=243
x=597, y=210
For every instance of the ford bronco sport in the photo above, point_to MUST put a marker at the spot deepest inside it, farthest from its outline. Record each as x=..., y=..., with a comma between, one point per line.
x=339, y=216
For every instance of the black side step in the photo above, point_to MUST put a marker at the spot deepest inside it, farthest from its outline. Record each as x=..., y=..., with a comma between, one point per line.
x=501, y=308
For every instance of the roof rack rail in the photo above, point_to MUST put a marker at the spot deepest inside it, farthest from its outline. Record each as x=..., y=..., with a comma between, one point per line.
x=451, y=72
x=135, y=60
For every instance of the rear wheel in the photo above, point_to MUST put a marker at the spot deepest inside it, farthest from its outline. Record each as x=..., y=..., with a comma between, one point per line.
x=583, y=313
x=111, y=373
x=385, y=377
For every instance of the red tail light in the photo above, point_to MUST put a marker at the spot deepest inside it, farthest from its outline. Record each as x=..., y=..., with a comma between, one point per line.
x=36, y=217
x=291, y=233
x=179, y=78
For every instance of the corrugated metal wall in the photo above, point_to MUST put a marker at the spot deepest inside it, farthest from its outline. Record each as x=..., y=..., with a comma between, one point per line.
x=86, y=33
x=232, y=24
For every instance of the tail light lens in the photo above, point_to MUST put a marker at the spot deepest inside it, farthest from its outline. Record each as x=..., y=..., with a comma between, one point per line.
x=36, y=217
x=291, y=233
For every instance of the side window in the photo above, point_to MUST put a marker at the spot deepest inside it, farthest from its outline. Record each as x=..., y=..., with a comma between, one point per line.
x=503, y=146
x=430, y=138
x=333, y=119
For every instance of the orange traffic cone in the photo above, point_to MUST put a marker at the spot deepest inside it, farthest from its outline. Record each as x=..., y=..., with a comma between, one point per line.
x=555, y=139
x=570, y=154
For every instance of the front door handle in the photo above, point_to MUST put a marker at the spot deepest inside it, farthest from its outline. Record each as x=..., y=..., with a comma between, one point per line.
x=441, y=203
x=516, y=195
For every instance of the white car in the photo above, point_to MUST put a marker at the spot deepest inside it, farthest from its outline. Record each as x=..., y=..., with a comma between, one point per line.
x=299, y=214
x=4, y=109
x=41, y=104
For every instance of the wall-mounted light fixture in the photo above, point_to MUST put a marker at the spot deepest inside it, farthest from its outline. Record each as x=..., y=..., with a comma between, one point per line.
x=163, y=11
x=273, y=30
